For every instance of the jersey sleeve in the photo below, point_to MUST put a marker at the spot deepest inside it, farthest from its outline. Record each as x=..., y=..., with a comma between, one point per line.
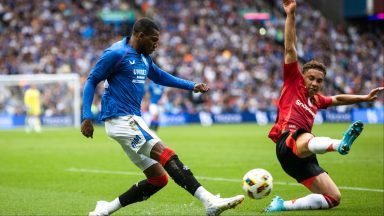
x=101, y=71
x=323, y=101
x=161, y=77
x=291, y=73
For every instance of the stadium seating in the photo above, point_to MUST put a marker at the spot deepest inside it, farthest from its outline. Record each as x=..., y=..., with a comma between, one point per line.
x=211, y=43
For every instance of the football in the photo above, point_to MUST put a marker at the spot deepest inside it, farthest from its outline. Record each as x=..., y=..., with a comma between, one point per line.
x=257, y=183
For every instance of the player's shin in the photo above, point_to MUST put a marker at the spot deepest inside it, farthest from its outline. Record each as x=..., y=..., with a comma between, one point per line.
x=143, y=190
x=312, y=201
x=180, y=173
x=321, y=145
x=183, y=176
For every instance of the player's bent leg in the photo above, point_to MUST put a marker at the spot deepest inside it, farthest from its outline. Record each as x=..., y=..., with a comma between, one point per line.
x=321, y=145
x=307, y=144
x=325, y=195
x=156, y=180
x=302, y=145
x=323, y=184
x=183, y=176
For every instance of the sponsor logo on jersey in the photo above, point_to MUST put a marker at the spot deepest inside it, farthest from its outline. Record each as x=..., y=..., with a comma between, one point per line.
x=131, y=62
x=140, y=74
x=304, y=106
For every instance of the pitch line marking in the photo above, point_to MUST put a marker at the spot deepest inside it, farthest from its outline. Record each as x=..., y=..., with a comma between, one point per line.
x=210, y=179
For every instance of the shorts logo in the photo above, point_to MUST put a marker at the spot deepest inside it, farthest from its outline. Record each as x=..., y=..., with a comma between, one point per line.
x=300, y=104
x=135, y=141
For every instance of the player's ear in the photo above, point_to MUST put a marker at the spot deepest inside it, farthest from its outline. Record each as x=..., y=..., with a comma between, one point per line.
x=140, y=35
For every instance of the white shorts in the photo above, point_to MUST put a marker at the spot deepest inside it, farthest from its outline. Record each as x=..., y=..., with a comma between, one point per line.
x=135, y=137
x=153, y=109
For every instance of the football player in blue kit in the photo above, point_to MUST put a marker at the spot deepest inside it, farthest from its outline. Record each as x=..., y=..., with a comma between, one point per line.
x=125, y=66
x=155, y=93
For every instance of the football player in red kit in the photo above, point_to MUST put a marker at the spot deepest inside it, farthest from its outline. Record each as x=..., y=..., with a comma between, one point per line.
x=296, y=146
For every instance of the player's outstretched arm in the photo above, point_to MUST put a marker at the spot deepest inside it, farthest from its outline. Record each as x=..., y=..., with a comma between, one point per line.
x=290, y=31
x=346, y=99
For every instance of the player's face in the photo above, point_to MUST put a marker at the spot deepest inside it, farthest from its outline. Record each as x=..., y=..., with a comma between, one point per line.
x=314, y=80
x=148, y=43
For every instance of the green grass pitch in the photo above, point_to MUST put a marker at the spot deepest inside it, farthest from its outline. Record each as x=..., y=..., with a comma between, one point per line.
x=60, y=172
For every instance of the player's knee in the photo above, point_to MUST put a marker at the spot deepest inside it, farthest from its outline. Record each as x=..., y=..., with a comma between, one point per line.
x=159, y=181
x=337, y=198
x=335, y=202
x=166, y=155
x=333, y=199
x=302, y=146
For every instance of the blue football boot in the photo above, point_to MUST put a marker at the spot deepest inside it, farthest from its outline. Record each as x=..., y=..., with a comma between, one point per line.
x=276, y=205
x=350, y=135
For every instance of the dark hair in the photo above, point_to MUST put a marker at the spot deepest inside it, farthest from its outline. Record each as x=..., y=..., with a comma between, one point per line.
x=145, y=25
x=313, y=64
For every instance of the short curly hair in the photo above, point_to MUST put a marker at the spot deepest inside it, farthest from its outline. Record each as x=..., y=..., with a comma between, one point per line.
x=313, y=64
x=145, y=25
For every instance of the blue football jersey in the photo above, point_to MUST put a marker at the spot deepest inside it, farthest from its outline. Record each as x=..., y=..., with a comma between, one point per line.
x=125, y=72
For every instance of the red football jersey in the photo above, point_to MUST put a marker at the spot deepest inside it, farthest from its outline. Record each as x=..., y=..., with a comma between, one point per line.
x=296, y=110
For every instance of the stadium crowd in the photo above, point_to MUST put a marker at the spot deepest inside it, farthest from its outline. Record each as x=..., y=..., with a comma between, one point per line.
x=208, y=41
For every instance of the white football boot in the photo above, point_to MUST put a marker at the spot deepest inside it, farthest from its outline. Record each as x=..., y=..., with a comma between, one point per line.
x=101, y=209
x=217, y=206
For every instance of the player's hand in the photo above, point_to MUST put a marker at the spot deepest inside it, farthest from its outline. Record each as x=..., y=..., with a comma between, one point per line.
x=200, y=87
x=289, y=6
x=87, y=128
x=373, y=94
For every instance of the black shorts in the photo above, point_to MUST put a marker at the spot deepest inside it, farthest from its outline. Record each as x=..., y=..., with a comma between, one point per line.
x=298, y=168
